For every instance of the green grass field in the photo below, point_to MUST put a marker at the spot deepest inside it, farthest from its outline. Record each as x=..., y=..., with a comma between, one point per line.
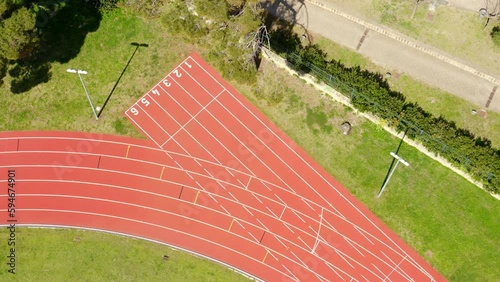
x=450, y=222
x=80, y=255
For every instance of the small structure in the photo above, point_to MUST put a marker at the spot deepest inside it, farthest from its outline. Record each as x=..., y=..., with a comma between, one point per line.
x=165, y=257
x=345, y=127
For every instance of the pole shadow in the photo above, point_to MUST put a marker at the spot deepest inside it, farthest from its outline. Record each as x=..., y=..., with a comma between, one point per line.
x=393, y=159
x=137, y=45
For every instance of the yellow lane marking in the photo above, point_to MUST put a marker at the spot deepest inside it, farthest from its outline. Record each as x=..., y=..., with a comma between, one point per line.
x=197, y=194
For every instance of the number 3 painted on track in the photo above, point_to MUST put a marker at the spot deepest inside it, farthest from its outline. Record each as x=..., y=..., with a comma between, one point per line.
x=167, y=84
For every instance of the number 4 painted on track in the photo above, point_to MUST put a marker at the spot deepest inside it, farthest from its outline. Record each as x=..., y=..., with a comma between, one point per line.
x=156, y=92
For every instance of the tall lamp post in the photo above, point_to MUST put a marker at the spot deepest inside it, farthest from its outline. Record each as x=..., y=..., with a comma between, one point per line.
x=80, y=72
x=398, y=160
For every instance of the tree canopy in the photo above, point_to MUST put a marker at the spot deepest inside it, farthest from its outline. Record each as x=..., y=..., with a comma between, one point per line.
x=18, y=34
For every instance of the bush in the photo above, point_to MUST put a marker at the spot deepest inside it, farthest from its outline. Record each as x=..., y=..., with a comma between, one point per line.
x=370, y=92
x=495, y=35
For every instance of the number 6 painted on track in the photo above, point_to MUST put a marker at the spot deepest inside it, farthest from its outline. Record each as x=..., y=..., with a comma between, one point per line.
x=134, y=111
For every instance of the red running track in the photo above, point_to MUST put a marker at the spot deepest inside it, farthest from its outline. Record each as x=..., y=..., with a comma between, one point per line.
x=195, y=113
x=241, y=193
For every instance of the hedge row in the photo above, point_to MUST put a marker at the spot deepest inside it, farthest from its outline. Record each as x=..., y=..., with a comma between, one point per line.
x=370, y=92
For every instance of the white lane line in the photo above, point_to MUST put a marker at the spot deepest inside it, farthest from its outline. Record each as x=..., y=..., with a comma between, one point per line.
x=312, y=168
x=193, y=117
x=228, y=213
x=298, y=216
x=265, y=227
x=284, y=208
x=271, y=212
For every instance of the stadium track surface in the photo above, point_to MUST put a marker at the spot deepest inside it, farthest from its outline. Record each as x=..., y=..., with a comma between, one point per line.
x=218, y=179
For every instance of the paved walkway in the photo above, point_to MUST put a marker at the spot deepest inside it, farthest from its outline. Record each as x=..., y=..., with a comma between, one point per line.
x=393, y=50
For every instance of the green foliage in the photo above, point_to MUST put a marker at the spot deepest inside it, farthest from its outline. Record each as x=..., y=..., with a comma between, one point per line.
x=495, y=35
x=150, y=8
x=209, y=23
x=370, y=92
x=231, y=58
x=216, y=10
x=3, y=69
x=18, y=36
x=180, y=20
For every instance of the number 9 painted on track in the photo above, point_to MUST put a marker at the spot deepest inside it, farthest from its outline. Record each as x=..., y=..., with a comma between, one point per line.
x=134, y=111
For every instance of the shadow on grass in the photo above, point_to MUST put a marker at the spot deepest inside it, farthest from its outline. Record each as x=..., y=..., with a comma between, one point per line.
x=137, y=45
x=62, y=34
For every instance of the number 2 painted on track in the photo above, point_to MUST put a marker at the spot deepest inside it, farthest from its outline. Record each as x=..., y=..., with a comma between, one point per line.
x=177, y=73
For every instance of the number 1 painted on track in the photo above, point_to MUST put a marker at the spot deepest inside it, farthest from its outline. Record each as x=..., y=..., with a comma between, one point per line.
x=187, y=64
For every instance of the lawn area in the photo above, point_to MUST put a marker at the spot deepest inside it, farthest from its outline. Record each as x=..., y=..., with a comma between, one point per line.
x=451, y=223
x=80, y=255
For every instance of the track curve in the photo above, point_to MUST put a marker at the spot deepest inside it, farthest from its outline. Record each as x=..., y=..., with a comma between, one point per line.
x=129, y=186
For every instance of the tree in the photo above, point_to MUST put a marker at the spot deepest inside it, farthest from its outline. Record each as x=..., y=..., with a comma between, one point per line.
x=18, y=34
x=491, y=10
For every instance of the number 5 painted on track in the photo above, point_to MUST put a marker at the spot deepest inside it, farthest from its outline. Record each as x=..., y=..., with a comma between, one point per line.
x=145, y=102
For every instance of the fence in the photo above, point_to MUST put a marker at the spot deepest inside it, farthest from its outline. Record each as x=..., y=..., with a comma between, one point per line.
x=433, y=144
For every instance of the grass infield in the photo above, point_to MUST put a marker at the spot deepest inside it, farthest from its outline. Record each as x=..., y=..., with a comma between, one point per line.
x=79, y=255
x=451, y=223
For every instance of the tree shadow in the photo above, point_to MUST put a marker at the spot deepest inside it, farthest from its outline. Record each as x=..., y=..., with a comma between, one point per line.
x=63, y=27
x=26, y=75
x=289, y=11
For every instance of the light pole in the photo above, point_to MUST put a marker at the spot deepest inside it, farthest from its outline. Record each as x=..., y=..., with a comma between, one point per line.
x=398, y=159
x=80, y=72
